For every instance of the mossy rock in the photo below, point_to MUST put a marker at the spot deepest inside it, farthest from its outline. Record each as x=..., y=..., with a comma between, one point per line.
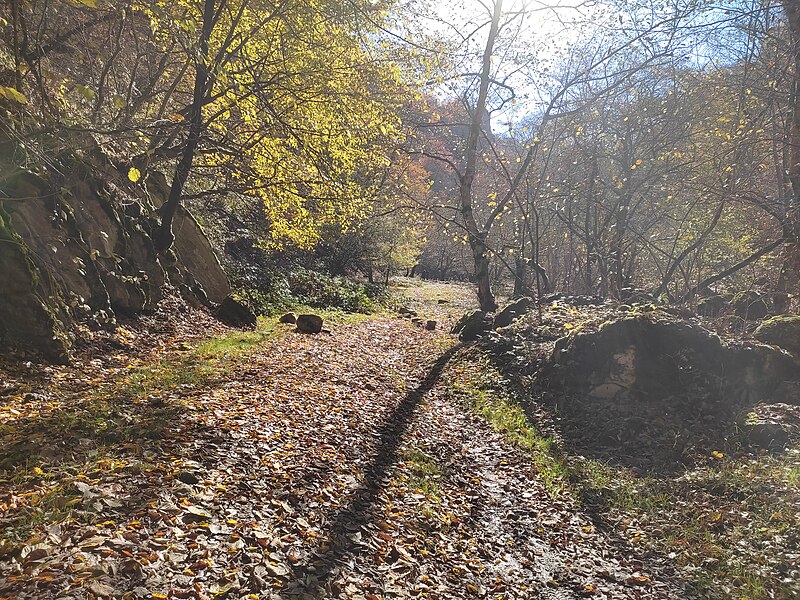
x=782, y=331
x=751, y=305
x=513, y=311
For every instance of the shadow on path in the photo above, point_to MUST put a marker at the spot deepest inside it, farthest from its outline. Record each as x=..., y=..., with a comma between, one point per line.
x=344, y=533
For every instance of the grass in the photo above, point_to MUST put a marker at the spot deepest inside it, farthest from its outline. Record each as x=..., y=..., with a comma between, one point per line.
x=481, y=387
x=425, y=474
x=730, y=524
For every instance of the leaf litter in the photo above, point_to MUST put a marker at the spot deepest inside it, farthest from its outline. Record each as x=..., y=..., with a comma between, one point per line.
x=303, y=467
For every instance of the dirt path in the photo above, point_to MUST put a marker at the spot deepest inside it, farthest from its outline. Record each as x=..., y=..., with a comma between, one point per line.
x=309, y=466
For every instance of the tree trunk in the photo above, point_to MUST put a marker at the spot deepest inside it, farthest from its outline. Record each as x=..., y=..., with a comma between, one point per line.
x=792, y=9
x=477, y=237
x=164, y=237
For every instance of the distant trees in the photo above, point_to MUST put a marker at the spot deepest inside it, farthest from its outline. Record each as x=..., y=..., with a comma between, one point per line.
x=661, y=155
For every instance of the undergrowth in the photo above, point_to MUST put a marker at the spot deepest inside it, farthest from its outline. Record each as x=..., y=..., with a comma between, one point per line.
x=314, y=289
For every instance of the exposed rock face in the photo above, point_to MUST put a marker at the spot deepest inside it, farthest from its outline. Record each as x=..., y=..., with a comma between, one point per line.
x=642, y=360
x=309, y=323
x=194, y=251
x=783, y=331
x=77, y=247
x=513, y=311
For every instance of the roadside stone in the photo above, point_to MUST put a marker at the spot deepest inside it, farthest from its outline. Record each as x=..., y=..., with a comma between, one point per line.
x=513, y=311
x=473, y=325
x=430, y=325
x=309, y=323
x=763, y=433
x=289, y=317
x=233, y=312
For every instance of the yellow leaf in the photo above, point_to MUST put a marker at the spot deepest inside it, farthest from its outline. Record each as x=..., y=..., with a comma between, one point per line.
x=717, y=454
x=134, y=174
x=13, y=94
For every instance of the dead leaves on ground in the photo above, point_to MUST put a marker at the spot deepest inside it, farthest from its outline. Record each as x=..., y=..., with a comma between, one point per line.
x=266, y=480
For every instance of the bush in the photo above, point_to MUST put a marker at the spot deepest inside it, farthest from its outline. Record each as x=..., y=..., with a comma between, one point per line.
x=300, y=286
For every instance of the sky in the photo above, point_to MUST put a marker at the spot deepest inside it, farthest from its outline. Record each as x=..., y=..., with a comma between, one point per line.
x=543, y=31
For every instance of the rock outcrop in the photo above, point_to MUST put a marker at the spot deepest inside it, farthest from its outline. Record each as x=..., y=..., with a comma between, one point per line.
x=75, y=246
x=643, y=359
x=513, y=311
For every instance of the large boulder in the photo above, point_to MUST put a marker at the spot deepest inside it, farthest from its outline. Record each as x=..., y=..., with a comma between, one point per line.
x=309, y=323
x=782, y=331
x=234, y=312
x=473, y=325
x=513, y=311
x=645, y=359
x=713, y=306
x=751, y=305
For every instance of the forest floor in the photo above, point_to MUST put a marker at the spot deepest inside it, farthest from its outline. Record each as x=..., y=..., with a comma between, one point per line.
x=369, y=462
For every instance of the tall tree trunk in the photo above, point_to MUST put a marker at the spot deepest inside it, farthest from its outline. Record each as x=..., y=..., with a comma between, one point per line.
x=164, y=237
x=476, y=236
x=792, y=8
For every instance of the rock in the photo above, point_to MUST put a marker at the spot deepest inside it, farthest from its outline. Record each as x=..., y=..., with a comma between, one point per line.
x=713, y=306
x=233, y=312
x=309, y=323
x=197, y=255
x=632, y=295
x=473, y=325
x=751, y=305
x=407, y=312
x=80, y=251
x=513, y=311
x=782, y=331
x=442, y=301
x=645, y=359
x=763, y=432
x=416, y=321
x=430, y=325
x=289, y=317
